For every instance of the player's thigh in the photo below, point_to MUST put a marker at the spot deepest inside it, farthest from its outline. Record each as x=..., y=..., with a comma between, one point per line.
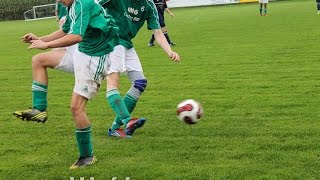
x=116, y=61
x=48, y=59
x=132, y=61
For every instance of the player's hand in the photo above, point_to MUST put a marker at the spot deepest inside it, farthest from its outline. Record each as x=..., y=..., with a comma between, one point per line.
x=38, y=44
x=175, y=57
x=28, y=37
x=171, y=14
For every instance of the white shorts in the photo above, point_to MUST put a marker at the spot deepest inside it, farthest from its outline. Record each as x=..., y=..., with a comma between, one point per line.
x=89, y=71
x=66, y=63
x=263, y=1
x=128, y=57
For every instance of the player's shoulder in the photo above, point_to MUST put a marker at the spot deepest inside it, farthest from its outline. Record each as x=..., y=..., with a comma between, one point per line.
x=149, y=2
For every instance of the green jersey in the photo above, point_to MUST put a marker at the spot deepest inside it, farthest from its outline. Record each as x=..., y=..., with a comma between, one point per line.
x=89, y=20
x=61, y=10
x=130, y=16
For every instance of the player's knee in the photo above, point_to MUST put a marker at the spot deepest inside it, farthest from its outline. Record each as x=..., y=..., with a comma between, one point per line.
x=140, y=84
x=76, y=109
x=37, y=60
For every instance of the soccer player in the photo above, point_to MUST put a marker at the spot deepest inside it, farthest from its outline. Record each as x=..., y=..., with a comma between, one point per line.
x=60, y=12
x=130, y=17
x=96, y=34
x=263, y=3
x=161, y=7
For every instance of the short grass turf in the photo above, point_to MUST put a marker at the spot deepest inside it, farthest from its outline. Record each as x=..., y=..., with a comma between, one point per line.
x=256, y=77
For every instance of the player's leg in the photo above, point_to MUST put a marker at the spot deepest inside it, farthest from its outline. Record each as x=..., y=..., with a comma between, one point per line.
x=265, y=9
x=117, y=104
x=260, y=10
x=86, y=86
x=138, y=85
x=318, y=7
x=83, y=132
x=151, y=42
x=116, y=62
x=40, y=63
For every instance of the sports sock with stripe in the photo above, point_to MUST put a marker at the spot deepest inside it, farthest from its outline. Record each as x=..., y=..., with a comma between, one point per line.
x=118, y=106
x=130, y=102
x=84, y=142
x=39, y=96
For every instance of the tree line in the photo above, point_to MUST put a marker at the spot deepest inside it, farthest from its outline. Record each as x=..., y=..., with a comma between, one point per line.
x=14, y=9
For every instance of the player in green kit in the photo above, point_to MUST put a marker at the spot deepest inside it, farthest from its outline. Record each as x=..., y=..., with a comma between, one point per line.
x=130, y=16
x=90, y=61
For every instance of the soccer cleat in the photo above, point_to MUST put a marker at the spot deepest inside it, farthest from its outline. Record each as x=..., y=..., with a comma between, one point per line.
x=134, y=124
x=172, y=44
x=119, y=133
x=32, y=115
x=150, y=44
x=83, y=161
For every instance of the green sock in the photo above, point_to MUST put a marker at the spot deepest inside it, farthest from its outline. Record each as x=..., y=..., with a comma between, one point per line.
x=260, y=10
x=118, y=106
x=265, y=11
x=130, y=103
x=84, y=142
x=39, y=96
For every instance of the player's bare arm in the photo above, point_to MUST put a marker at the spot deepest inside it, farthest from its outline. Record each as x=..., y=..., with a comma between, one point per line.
x=53, y=36
x=169, y=12
x=162, y=41
x=65, y=41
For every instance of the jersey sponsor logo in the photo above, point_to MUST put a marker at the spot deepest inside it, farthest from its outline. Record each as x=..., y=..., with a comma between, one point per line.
x=132, y=13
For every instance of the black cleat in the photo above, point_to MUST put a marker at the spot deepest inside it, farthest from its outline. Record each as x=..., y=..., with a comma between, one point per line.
x=83, y=161
x=32, y=115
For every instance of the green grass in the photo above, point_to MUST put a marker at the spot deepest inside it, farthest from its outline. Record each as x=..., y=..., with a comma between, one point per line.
x=258, y=79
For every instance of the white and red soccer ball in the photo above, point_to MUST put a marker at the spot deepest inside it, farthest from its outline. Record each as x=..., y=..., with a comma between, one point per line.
x=189, y=111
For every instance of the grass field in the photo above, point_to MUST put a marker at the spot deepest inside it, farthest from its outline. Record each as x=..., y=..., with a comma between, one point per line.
x=258, y=79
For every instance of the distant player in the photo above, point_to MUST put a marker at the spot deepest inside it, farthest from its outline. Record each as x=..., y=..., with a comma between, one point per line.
x=130, y=16
x=60, y=12
x=263, y=4
x=161, y=7
x=96, y=35
x=318, y=6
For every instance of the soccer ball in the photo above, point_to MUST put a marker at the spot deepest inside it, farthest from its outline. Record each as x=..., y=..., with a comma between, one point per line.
x=189, y=111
